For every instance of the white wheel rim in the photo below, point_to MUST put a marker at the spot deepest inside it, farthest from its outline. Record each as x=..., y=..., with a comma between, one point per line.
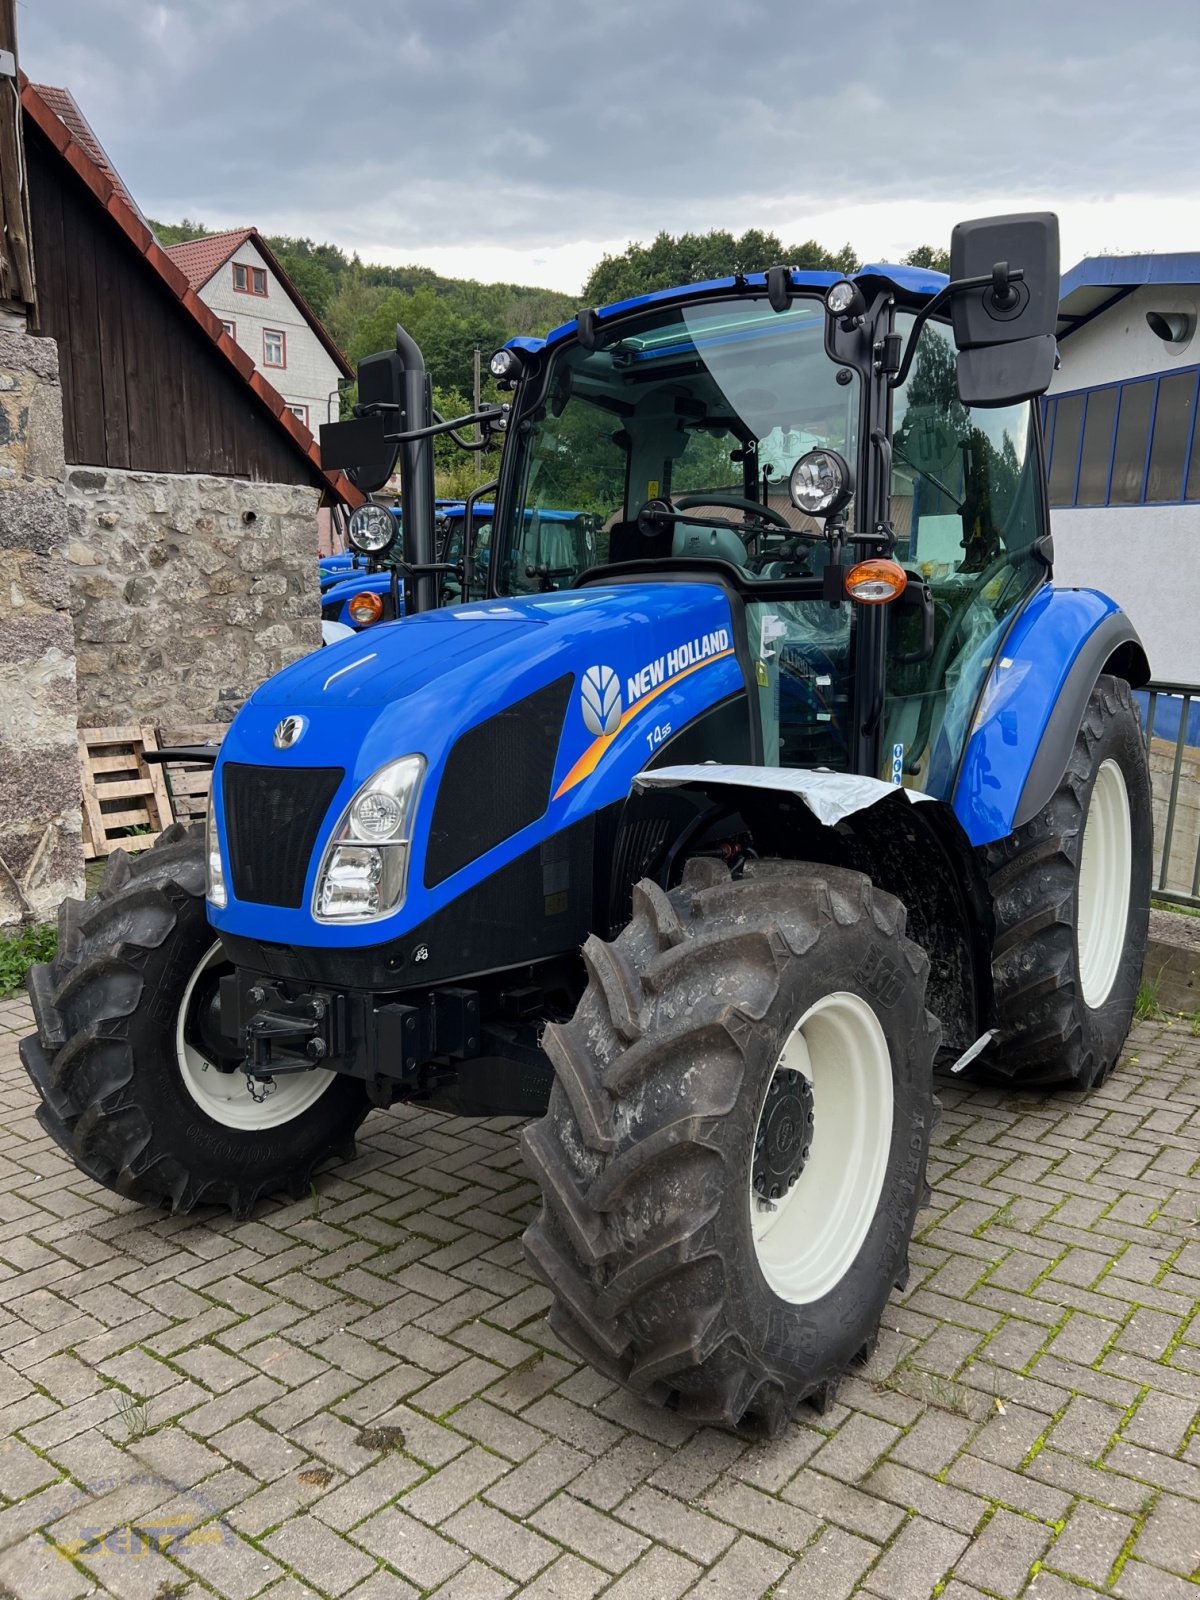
x=807, y=1243
x=225, y=1096
x=1105, y=869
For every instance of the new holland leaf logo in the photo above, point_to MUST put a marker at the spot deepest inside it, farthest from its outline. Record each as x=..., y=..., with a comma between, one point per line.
x=600, y=696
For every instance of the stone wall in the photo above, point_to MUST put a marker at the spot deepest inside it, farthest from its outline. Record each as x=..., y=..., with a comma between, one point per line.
x=41, y=853
x=186, y=591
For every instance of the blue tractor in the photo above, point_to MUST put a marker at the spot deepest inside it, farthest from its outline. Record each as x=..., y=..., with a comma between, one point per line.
x=699, y=839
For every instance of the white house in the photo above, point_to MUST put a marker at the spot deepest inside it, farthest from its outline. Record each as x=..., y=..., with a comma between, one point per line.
x=239, y=279
x=1122, y=448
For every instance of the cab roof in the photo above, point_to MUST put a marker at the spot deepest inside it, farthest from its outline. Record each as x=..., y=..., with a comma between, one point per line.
x=914, y=283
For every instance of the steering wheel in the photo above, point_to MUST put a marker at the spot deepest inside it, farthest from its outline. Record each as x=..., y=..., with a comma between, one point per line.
x=735, y=502
x=941, y=656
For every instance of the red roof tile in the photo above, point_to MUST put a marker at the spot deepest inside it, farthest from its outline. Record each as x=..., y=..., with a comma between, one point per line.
x=198, y=259
x=63, y=104
x=82, y=151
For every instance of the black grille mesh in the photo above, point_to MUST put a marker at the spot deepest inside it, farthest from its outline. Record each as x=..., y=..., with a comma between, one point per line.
x=272, y=818
x=497, y=780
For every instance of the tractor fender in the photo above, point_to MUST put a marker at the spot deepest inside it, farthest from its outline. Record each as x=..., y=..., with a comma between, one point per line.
x=1033, y=702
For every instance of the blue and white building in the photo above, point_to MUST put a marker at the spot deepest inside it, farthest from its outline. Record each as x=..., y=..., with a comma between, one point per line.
x=1122, y=446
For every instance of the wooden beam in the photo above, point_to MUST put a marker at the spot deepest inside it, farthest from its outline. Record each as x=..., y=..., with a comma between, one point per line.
x=16, y=254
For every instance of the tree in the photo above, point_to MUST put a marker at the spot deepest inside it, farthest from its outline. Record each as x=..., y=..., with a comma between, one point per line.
x=928, y=255
x=696, y=257
x=177, y=232
x=313, y=279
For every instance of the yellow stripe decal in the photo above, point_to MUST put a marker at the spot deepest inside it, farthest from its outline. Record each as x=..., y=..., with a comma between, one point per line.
x=592, y=756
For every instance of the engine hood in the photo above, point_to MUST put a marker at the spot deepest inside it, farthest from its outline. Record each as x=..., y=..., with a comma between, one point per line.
x=631, y=664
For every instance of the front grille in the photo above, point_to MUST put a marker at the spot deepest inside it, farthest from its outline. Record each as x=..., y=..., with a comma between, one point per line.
x=272, y=818
x=496, y=781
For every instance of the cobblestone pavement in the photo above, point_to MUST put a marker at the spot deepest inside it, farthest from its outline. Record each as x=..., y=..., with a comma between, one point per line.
x=357, y=1395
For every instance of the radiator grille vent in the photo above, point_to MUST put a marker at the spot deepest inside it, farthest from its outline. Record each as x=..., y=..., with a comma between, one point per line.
x=272, y=818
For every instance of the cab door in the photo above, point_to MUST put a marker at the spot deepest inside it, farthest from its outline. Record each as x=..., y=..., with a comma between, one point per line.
x=968, y=507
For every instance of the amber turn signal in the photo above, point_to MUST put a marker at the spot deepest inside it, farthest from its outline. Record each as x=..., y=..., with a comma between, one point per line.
x=874, y=583
x=365, y=608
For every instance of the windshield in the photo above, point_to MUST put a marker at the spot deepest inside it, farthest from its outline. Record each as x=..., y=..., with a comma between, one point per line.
x=706, y=405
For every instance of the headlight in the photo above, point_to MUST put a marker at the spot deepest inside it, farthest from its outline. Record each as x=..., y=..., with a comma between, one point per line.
x=820, y=483
x=214, y=867
x=364, y=873
x=372, y=529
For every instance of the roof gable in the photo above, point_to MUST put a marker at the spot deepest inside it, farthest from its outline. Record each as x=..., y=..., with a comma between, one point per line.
x=200, y=259
x=121, y=213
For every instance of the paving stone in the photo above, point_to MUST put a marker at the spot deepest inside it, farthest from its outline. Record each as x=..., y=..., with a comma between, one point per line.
x=590, y=1534
x=320, y=1555
x=475, y=1582
x=572, y=1579
x=747, y=1571
x=1161, y=1422
x=916, y=1561
x=610, y=1478
x=500, y=1540
x=849, y=1508
x=408, y=1545
x=1171, y=1536
x=658, y=1575
x=932, y=1442
x=1002, y=1556
x=668, y=1522
x=762, y=1514
x=452, y=1486
x=855, y=1448
x=1089, y=1543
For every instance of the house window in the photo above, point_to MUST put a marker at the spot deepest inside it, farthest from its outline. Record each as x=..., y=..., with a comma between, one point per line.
x=274, y=348
x=1130, y=443
x=230, y=328
x=248, y=279
x=299, y=411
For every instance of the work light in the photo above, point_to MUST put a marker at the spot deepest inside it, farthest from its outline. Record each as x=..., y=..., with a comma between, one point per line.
x=372, y=529
x=845, y=299
x=505, y=366
x=820, y=483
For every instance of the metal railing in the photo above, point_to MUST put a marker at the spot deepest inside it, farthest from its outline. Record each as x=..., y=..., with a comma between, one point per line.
x=1171, y=711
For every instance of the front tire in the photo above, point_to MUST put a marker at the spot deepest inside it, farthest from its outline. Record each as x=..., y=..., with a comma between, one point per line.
x=127, y=1060
x=1071, y=894
x=732, y=1024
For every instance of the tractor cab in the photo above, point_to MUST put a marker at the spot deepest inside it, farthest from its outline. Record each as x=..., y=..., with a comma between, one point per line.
x=712, y=431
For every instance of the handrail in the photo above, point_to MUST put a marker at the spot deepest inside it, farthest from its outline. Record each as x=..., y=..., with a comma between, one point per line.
x=1189, y=695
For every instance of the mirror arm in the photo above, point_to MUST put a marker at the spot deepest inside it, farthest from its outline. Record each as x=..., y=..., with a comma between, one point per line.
x=957, y=286
x=488, y=415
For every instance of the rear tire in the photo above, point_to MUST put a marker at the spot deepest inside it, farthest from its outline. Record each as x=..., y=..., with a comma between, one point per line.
x=1071, y=892
x=121, y=1067
x=679, y=1093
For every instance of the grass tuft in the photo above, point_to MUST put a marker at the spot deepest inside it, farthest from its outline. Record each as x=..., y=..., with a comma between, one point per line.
x=19, y=950
x=135, y=1414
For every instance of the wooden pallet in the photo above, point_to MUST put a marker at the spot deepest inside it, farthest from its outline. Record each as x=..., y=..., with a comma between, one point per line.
x=189, y=781
x=125, y=800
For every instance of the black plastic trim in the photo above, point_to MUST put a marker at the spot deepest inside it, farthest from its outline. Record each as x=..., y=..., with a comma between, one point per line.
x=1114, y=643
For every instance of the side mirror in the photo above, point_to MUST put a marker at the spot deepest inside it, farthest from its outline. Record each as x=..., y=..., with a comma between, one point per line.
x=1004, y=328
x=358, y=447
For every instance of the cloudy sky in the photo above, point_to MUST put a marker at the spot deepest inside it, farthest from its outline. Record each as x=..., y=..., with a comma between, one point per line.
x=521, y=139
